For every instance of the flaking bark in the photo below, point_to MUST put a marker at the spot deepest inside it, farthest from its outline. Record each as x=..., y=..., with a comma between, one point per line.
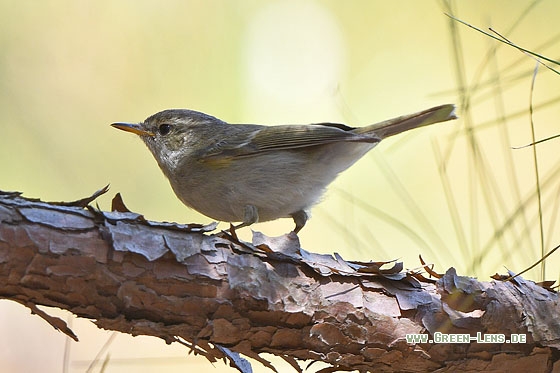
x=221, y=296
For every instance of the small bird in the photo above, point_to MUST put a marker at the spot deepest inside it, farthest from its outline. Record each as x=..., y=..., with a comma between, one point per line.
x=253, y=173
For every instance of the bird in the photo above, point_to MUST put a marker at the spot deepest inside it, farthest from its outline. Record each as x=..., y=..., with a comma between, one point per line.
x=253, y=173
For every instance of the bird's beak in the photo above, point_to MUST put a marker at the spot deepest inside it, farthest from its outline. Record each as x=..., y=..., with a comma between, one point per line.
x=132, y=127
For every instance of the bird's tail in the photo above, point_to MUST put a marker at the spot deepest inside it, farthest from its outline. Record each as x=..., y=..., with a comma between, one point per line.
x=404, y=123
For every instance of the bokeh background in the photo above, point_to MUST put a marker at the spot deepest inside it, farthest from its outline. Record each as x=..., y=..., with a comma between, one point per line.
x=456, y=193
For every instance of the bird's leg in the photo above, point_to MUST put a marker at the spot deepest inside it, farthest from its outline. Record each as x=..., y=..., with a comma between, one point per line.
x=300, y=218
x=250, y=216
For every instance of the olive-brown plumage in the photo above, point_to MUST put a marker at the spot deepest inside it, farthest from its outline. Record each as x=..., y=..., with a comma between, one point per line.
x=249, y=173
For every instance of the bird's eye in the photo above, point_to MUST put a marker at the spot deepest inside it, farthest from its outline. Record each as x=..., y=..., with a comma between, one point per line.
x=164, y=129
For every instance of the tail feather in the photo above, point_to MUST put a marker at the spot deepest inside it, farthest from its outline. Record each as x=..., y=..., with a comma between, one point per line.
x=407, y=122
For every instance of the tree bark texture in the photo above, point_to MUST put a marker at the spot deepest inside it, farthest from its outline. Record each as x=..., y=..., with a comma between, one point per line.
x=221, y=296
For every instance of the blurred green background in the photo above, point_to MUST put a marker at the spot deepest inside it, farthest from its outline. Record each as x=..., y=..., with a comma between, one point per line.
x=457, y=193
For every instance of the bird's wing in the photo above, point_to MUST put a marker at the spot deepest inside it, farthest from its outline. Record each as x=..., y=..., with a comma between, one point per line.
x=265, y=139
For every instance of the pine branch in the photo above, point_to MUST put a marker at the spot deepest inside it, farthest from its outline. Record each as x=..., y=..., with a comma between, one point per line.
x=221, y=296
